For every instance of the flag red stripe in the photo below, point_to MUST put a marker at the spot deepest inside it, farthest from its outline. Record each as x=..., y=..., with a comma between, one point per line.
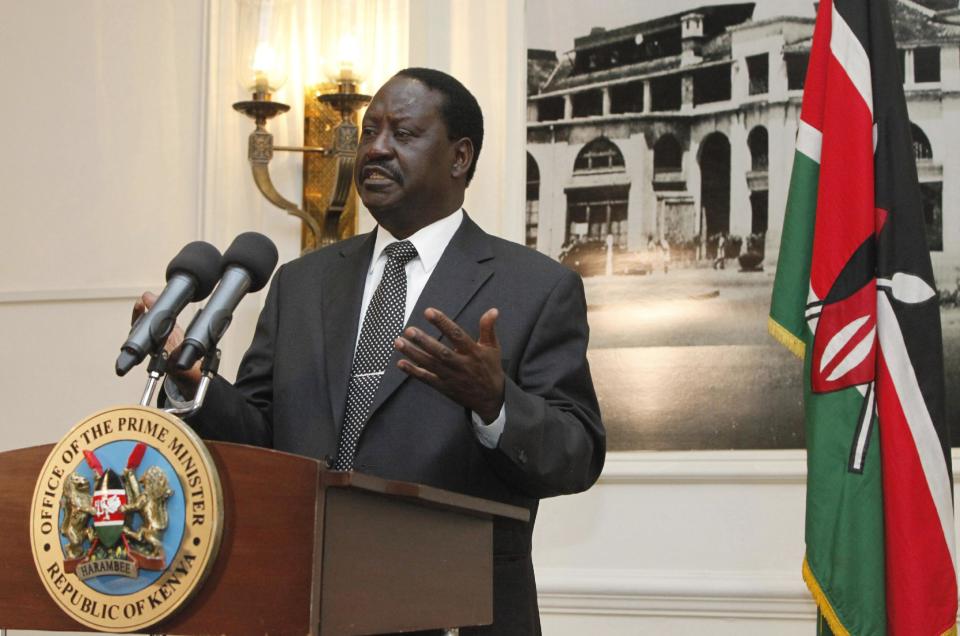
x=815, y=83
x=921, y=583
x=845, y=209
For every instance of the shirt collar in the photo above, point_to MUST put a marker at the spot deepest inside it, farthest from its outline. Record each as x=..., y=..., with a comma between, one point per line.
x=430, y=241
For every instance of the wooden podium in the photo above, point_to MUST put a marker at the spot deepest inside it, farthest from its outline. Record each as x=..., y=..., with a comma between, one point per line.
x=304, y=551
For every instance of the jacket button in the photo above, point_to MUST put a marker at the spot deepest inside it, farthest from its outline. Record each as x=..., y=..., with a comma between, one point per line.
x=522, y=456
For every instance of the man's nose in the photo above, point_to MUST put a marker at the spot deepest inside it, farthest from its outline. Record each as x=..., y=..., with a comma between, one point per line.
x=379, y=146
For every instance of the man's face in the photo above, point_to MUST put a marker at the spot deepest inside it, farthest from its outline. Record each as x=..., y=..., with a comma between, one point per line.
x=404, y=162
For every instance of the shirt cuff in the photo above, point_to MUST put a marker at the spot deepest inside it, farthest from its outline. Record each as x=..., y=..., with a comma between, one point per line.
x=174, y=396
x=488, y=434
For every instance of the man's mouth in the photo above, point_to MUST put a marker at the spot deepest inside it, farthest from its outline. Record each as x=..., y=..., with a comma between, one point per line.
x=377, y=175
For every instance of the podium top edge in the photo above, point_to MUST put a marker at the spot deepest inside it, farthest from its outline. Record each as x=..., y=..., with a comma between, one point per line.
x=428, y=494
x=352, y=479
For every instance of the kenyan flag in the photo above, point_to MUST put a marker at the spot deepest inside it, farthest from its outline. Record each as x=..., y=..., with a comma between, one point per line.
x=854, y=297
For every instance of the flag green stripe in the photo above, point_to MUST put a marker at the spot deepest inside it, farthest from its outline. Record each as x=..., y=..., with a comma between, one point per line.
x=792, y=281
x=844, y=527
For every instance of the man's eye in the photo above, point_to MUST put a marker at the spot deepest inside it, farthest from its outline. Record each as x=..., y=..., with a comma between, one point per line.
x=402, y=134
x=367, y=131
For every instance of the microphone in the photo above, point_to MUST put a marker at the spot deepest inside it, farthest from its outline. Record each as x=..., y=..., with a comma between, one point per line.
x=191, y=276
x=247, y=265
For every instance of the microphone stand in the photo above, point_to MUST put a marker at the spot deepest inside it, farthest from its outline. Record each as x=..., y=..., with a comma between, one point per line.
x=155, y=371
x=158, y=367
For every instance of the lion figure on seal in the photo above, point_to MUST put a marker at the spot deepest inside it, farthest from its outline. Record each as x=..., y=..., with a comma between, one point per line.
x=77, y=505
x=148, y=496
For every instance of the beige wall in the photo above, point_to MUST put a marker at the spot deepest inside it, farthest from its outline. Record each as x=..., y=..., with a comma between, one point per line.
x=100, y=177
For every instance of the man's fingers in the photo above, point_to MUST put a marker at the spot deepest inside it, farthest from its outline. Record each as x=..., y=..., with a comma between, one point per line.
x=488, y=332
x=415, y=353
x=428, y=344
x=145, y=302
x=418, y=372
x=460, y=339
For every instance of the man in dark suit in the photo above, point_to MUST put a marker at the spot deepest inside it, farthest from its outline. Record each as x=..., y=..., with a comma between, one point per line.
x=486, y=391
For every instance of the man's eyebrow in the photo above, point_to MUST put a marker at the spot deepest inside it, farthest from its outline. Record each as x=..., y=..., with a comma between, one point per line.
x=409, y=121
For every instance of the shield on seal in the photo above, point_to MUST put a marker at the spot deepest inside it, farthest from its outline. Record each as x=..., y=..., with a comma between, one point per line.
x=109, y=498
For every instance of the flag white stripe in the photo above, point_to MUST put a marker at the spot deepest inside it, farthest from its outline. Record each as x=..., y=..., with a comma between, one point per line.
x=840, y=340
x=809, y=141
x=868, y=414
x=851, y=55
x=855, y=357
x=918, y=418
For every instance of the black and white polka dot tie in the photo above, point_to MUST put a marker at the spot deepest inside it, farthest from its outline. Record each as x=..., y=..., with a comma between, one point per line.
x=381, y=326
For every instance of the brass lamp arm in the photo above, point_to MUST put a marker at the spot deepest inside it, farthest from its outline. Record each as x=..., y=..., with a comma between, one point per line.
x=261, y=176
x=326, y=152
x=323, y=223
x=260, y=151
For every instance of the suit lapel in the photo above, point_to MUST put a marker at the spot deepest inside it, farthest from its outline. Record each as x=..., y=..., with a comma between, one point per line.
x=459, y=274
x=343, y=286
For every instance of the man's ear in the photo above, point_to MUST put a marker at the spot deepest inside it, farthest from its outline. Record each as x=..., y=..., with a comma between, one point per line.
x=462, y=158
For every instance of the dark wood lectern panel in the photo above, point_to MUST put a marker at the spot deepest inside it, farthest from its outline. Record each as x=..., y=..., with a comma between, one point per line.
x=423, y=589
x=271, y=510
x=24, y=602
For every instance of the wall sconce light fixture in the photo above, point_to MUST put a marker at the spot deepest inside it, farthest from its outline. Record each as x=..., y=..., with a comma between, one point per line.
x=330, y=127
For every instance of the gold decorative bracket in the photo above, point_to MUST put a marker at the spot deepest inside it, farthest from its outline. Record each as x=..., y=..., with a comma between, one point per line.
x=326, y=218
x=260, y=151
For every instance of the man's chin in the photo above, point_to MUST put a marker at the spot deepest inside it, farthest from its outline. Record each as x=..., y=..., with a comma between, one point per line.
x=377, y=198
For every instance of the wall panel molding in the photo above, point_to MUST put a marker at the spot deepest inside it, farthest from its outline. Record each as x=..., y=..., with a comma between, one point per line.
x=76, y=294
x=702, y=594
x=714, y=467
x=728, y=467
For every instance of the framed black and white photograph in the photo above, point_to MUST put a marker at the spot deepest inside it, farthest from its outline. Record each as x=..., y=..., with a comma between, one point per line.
x=660, y=142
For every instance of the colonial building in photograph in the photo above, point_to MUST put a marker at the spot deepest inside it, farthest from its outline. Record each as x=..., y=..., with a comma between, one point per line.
x=677, y=134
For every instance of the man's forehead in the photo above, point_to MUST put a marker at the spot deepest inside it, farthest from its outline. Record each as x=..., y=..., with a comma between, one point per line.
x=406, y=97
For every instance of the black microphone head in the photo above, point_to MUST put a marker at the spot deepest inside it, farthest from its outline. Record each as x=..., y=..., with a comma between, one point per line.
x=201, y=261
x=255, y=253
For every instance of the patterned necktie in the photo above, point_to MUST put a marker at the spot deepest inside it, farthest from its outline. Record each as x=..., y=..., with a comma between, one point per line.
x=381, y=326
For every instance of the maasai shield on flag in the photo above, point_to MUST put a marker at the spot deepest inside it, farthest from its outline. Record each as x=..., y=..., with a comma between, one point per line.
x=109, y=498
x=854, y=296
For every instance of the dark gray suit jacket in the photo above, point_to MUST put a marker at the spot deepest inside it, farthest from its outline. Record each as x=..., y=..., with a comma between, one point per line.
x=291, y=388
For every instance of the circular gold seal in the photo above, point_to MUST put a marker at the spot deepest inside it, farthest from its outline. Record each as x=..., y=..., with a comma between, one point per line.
x=126, y=518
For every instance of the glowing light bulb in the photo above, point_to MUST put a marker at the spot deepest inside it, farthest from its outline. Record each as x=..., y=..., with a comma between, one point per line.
x=348, y=52
x=264, y=64
x=263, y=35
x=345, y=62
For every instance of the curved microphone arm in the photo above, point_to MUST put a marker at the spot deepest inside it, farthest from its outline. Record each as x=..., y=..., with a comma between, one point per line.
x=158, y=368
x=208, y=370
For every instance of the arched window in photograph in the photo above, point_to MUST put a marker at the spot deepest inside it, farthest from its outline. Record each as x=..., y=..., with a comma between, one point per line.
x=714, y=161
x=597, y=208
x=533, y=201
x=931, y=188
x=667, y=155
x=759, y=149
x=599, y=154
x=757, y=183
x=921, y=145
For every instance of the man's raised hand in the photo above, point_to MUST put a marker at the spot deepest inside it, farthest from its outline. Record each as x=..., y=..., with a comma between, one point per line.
x=468, y=371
